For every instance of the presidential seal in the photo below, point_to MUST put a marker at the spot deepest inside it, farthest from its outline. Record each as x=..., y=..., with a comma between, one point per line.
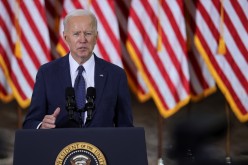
x=80, y=153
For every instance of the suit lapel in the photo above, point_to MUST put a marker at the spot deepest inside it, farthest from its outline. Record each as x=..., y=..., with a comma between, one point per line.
x=100, y=79
x=64, y=74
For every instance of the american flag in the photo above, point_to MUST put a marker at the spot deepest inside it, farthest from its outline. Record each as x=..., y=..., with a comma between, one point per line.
x=175, y=73
x=157, y=44
x=135, y=80
x=24, y=45
x=53, y=13
x=202, y=84
x=108, y=43
x=227, y=19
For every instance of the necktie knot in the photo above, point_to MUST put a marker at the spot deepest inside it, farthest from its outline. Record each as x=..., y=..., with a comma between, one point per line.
x=80, y=70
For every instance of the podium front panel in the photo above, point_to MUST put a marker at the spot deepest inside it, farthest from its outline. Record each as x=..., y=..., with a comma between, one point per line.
x=119, y=146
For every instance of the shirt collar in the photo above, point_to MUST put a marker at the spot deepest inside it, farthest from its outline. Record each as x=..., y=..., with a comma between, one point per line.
x=87, y=65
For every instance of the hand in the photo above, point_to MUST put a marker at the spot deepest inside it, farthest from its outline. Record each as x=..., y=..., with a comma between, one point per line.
x=48, y=121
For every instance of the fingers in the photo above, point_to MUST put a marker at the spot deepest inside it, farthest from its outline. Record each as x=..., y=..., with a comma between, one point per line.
x=48, y=121
x=45, y=125
x=56, y=112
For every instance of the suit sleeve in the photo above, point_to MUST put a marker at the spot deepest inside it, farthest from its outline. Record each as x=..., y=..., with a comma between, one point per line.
x=37, y=109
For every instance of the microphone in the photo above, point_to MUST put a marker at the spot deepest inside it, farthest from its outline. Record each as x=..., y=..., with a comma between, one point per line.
x=70, y=101
x=90, y=106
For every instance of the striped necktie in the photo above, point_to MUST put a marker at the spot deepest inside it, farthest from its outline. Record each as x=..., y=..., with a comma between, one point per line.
x=79, y=87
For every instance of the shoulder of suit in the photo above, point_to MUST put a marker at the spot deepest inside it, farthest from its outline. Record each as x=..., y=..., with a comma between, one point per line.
x=54, y=63
x=107, y=64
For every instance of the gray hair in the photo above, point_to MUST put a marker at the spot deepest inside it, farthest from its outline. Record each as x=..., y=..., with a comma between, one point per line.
x=80, y=12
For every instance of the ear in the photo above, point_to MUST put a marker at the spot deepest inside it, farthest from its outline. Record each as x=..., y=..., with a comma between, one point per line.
x=64, y=35
x=97, y=35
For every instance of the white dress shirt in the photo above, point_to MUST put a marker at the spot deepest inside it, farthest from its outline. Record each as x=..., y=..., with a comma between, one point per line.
x=88, y=73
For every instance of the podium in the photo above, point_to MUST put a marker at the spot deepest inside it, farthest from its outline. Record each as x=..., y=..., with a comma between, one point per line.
x=111, y=146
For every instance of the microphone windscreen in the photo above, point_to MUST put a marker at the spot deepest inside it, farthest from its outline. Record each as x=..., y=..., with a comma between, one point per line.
x=69, y=92
x=91, y=92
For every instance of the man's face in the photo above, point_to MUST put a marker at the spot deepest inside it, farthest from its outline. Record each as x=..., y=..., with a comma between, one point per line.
x=81, y=35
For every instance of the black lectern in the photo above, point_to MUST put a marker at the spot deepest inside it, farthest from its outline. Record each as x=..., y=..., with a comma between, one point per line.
x=91, y=146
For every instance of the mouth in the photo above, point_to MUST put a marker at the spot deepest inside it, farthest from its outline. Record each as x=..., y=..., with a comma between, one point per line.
x=82, y=48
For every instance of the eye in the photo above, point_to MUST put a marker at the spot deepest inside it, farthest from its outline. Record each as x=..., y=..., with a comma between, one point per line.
x=76, y=34
x=88, y=34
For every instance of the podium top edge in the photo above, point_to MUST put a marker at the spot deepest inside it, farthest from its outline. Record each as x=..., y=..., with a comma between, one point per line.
x=85, y=129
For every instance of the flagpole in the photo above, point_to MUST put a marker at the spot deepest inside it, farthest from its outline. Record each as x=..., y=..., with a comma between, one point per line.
x=228, y=134
x=160, y=139
x=189, y=153
x=160, y=118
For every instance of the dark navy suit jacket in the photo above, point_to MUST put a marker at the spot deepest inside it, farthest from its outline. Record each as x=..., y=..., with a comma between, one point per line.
x=112, y=103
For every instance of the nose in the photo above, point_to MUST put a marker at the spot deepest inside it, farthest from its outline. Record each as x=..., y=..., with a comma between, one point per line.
x=82, y=37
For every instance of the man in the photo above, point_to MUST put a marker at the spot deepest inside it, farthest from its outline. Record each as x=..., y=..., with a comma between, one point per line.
x=112, y=102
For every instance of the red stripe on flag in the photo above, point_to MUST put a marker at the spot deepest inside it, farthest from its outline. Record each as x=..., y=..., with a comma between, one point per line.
x=106, y=26
x=33, y=26
x=103, y=51
x=138, y=53
x=198, y=71
x=241, y=14
x=153, y=52
x=7, y=60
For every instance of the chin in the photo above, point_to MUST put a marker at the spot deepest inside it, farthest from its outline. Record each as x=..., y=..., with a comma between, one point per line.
x=84, y=55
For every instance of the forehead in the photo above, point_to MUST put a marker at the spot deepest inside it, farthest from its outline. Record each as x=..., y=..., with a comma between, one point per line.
x=80, y=20
x=84, y=21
